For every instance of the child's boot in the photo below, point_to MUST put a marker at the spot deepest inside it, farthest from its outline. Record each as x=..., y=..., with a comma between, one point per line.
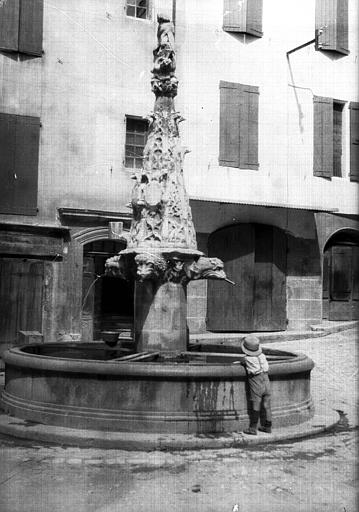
x=252, y=429
x=266, y=427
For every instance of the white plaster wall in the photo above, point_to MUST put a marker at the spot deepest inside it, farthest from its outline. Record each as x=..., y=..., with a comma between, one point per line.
x=96, y=69
x=208, y=55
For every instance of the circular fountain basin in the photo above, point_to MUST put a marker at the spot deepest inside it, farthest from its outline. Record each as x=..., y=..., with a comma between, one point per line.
x=82, y=386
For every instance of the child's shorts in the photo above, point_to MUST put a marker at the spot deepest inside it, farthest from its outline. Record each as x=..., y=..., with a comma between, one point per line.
x=259, y=387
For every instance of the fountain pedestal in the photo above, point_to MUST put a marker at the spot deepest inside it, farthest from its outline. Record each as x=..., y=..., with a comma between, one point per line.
x=160, y=316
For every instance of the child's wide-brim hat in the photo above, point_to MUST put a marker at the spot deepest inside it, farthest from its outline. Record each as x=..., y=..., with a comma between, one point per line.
x=250, y=345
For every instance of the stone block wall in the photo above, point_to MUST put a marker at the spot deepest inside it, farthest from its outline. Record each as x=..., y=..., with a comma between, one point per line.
x=304, y=283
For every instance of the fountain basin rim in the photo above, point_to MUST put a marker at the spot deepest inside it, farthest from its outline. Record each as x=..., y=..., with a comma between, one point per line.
x=299, y=363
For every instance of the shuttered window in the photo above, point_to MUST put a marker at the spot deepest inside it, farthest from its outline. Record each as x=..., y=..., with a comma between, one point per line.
x=331, y=24
x=354, y=141
x=323, y=137
x=243, y=16
x=21, y=26
x=19, y=149
x=238, y=138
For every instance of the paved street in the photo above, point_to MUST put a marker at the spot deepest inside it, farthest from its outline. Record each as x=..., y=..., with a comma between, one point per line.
x=314, y=475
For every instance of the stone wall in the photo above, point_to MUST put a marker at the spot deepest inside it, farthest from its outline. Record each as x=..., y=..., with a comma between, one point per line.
x=304, y=283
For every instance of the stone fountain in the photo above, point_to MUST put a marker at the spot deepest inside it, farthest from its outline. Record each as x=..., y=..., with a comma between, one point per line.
x=163, y=385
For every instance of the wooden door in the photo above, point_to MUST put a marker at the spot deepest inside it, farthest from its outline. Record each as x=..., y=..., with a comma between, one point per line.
x=254, y=256
x=107, y=301
x=343, y=273
x=355, y=281
x=269, y=296
x=88, y=297
x=21, y=297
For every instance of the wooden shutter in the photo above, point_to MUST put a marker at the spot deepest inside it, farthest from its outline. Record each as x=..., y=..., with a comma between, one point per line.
x=254, y=17
x=21, y=26
x=238, y=139
x=21, y=298
x=9, y=25
x=331, y=24
x=248, y=127
x=354, y=141
x=19, y=143
x=26, y=164
x=229, y=124
x=243, y=16
x=31, y=26
x=355, y=275
x=7, y=161
x=323, y=137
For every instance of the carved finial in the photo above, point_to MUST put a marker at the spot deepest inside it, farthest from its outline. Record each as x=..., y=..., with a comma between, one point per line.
x=164, y=82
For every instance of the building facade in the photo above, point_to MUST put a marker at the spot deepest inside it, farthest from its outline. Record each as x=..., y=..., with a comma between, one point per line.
x=269, y=91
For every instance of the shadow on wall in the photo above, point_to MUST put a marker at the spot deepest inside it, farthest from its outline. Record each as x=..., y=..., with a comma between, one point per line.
x=243, y=38
x=303, y=257
x=18, y=57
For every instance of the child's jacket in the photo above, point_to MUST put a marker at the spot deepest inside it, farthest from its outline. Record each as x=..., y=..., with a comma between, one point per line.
x=256, y=364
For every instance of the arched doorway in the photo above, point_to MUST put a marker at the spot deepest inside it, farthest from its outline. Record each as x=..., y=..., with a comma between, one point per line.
x=107, y=302
x=254, y=256
x=341, y=276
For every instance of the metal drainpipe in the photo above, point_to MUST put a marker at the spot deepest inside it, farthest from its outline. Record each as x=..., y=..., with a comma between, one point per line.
x=174, y=13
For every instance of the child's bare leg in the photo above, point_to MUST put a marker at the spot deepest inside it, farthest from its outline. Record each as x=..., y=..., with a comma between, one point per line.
x=267, y=408
x=267, y=424
x=253, y=418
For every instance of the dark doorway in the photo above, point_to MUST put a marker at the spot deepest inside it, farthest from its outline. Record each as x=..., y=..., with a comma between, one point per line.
x=341, y=277
x=254, y=257
x=107, y=302
x=21, y=294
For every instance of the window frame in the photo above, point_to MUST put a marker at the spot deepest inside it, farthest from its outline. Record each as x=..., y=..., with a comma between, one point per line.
x=134, y=3
x=145, y=133
x=354, y=141
x=323, y=139
x=341, y=104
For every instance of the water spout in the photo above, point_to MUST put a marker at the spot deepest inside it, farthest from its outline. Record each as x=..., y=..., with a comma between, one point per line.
x=90, y=288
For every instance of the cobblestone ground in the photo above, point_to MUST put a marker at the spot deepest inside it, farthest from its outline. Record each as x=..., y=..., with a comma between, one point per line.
x=315, y=475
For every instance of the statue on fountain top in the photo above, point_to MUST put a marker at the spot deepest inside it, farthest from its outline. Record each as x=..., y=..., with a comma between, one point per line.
x=164, y=82
x=165, y=32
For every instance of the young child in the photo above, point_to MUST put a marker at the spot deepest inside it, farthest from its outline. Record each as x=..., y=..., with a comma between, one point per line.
x=256, y=366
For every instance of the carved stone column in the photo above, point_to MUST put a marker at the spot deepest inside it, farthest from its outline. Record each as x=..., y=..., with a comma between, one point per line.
x=162, y=254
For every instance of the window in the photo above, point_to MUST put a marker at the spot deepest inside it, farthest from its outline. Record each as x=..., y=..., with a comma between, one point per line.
x=19, y=149
x=354, y=141
x=328, y=139
x=238, y=137
x=337, y=138
x=21, y=26
x=137, y=8
x=331, y=25
x=243, y=16
x=136, y=136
